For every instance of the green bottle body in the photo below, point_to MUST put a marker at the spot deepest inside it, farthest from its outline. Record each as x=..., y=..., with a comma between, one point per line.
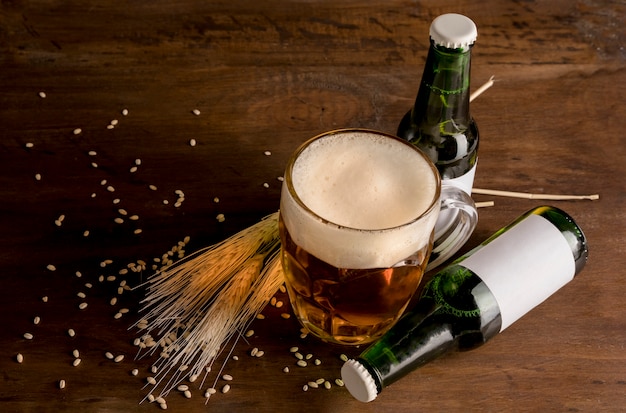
x=440, y=123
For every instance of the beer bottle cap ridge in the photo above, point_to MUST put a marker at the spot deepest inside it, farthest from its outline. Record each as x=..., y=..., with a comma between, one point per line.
x=453, y=31
x=358, y=381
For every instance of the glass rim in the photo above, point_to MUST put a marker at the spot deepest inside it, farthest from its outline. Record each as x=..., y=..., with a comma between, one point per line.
x=288, y=181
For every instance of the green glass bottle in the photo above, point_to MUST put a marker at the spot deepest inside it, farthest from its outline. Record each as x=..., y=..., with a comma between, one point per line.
x=440, y=123
x=475, y=298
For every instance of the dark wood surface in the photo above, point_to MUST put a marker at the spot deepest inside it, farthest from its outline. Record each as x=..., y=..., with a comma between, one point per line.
x=265, y=76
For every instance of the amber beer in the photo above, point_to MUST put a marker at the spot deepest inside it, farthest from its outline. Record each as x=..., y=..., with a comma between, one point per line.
x=357, y=213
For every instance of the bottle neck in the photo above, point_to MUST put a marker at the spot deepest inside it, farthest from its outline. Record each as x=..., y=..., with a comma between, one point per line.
x=443, y=96
x=414, y=341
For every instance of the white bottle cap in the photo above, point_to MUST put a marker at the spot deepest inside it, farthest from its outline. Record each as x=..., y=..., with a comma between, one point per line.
x=358, y=381
x=453, y=31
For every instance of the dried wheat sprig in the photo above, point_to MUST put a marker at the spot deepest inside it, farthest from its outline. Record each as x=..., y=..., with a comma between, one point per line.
x=196, y=305
x=527, y=195
x=482, y=88
x=484, y=204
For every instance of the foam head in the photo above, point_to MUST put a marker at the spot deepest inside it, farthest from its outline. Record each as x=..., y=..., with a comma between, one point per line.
x=360, y=199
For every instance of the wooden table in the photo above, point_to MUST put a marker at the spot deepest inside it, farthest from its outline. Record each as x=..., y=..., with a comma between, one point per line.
x=265, y=76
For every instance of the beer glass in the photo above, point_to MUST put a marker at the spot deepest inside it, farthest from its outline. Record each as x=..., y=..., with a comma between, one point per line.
x=357, y=215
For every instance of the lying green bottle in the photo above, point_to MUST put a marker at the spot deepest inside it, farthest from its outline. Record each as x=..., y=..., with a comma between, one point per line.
x=475, y=298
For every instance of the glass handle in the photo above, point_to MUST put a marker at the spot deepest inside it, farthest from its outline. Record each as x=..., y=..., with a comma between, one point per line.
x=456, y=223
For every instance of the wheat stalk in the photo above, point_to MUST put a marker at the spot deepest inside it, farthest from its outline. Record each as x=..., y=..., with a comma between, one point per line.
x=199, y=303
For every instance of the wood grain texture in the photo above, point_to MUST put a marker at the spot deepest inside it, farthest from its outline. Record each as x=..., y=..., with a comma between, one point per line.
x=266, y=76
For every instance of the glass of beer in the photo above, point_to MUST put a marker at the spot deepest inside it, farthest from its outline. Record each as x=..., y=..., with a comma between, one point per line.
x=357, y=216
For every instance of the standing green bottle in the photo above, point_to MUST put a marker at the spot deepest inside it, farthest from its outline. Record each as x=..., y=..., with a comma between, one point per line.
x=475, y=298
x=440, y=125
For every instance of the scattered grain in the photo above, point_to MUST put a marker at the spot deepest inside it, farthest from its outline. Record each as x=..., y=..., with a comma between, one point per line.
x=118, y=358
x=44, y=298
x=76, y=362
x=110, y=188
x=134, y=372
x=151, y=380
x=36, y=320
x=109, y=355
x=286, y=369
x=152, y=187
x=76, y=353
x=313, y=385
x=226, y=388
x=220, y=218
x=301, y=363
x=81, y=294
x=192, y=142
x=19, y=358
x=182, y=387
x=187, y=394
x=51, y=267
x=42, y=95
x=82, y=306
x=317, y=362
x=29, y=144
x=61, y=384
x=133, y=169
x=227, y=377
x=38, y=177
x=77, y=131
x=249, y=333
x=71, y=332
x=118, y=220
x=266, y=185
x=125, y=112
x=196, y=112
x=343, y=357
x=339, y=382
x=267, y=153
x=92, y=153
x=305, y=387
x=286, y=316
x=28, y=336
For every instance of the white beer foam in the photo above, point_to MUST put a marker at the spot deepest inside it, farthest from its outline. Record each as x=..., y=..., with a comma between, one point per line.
x=369, y=186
